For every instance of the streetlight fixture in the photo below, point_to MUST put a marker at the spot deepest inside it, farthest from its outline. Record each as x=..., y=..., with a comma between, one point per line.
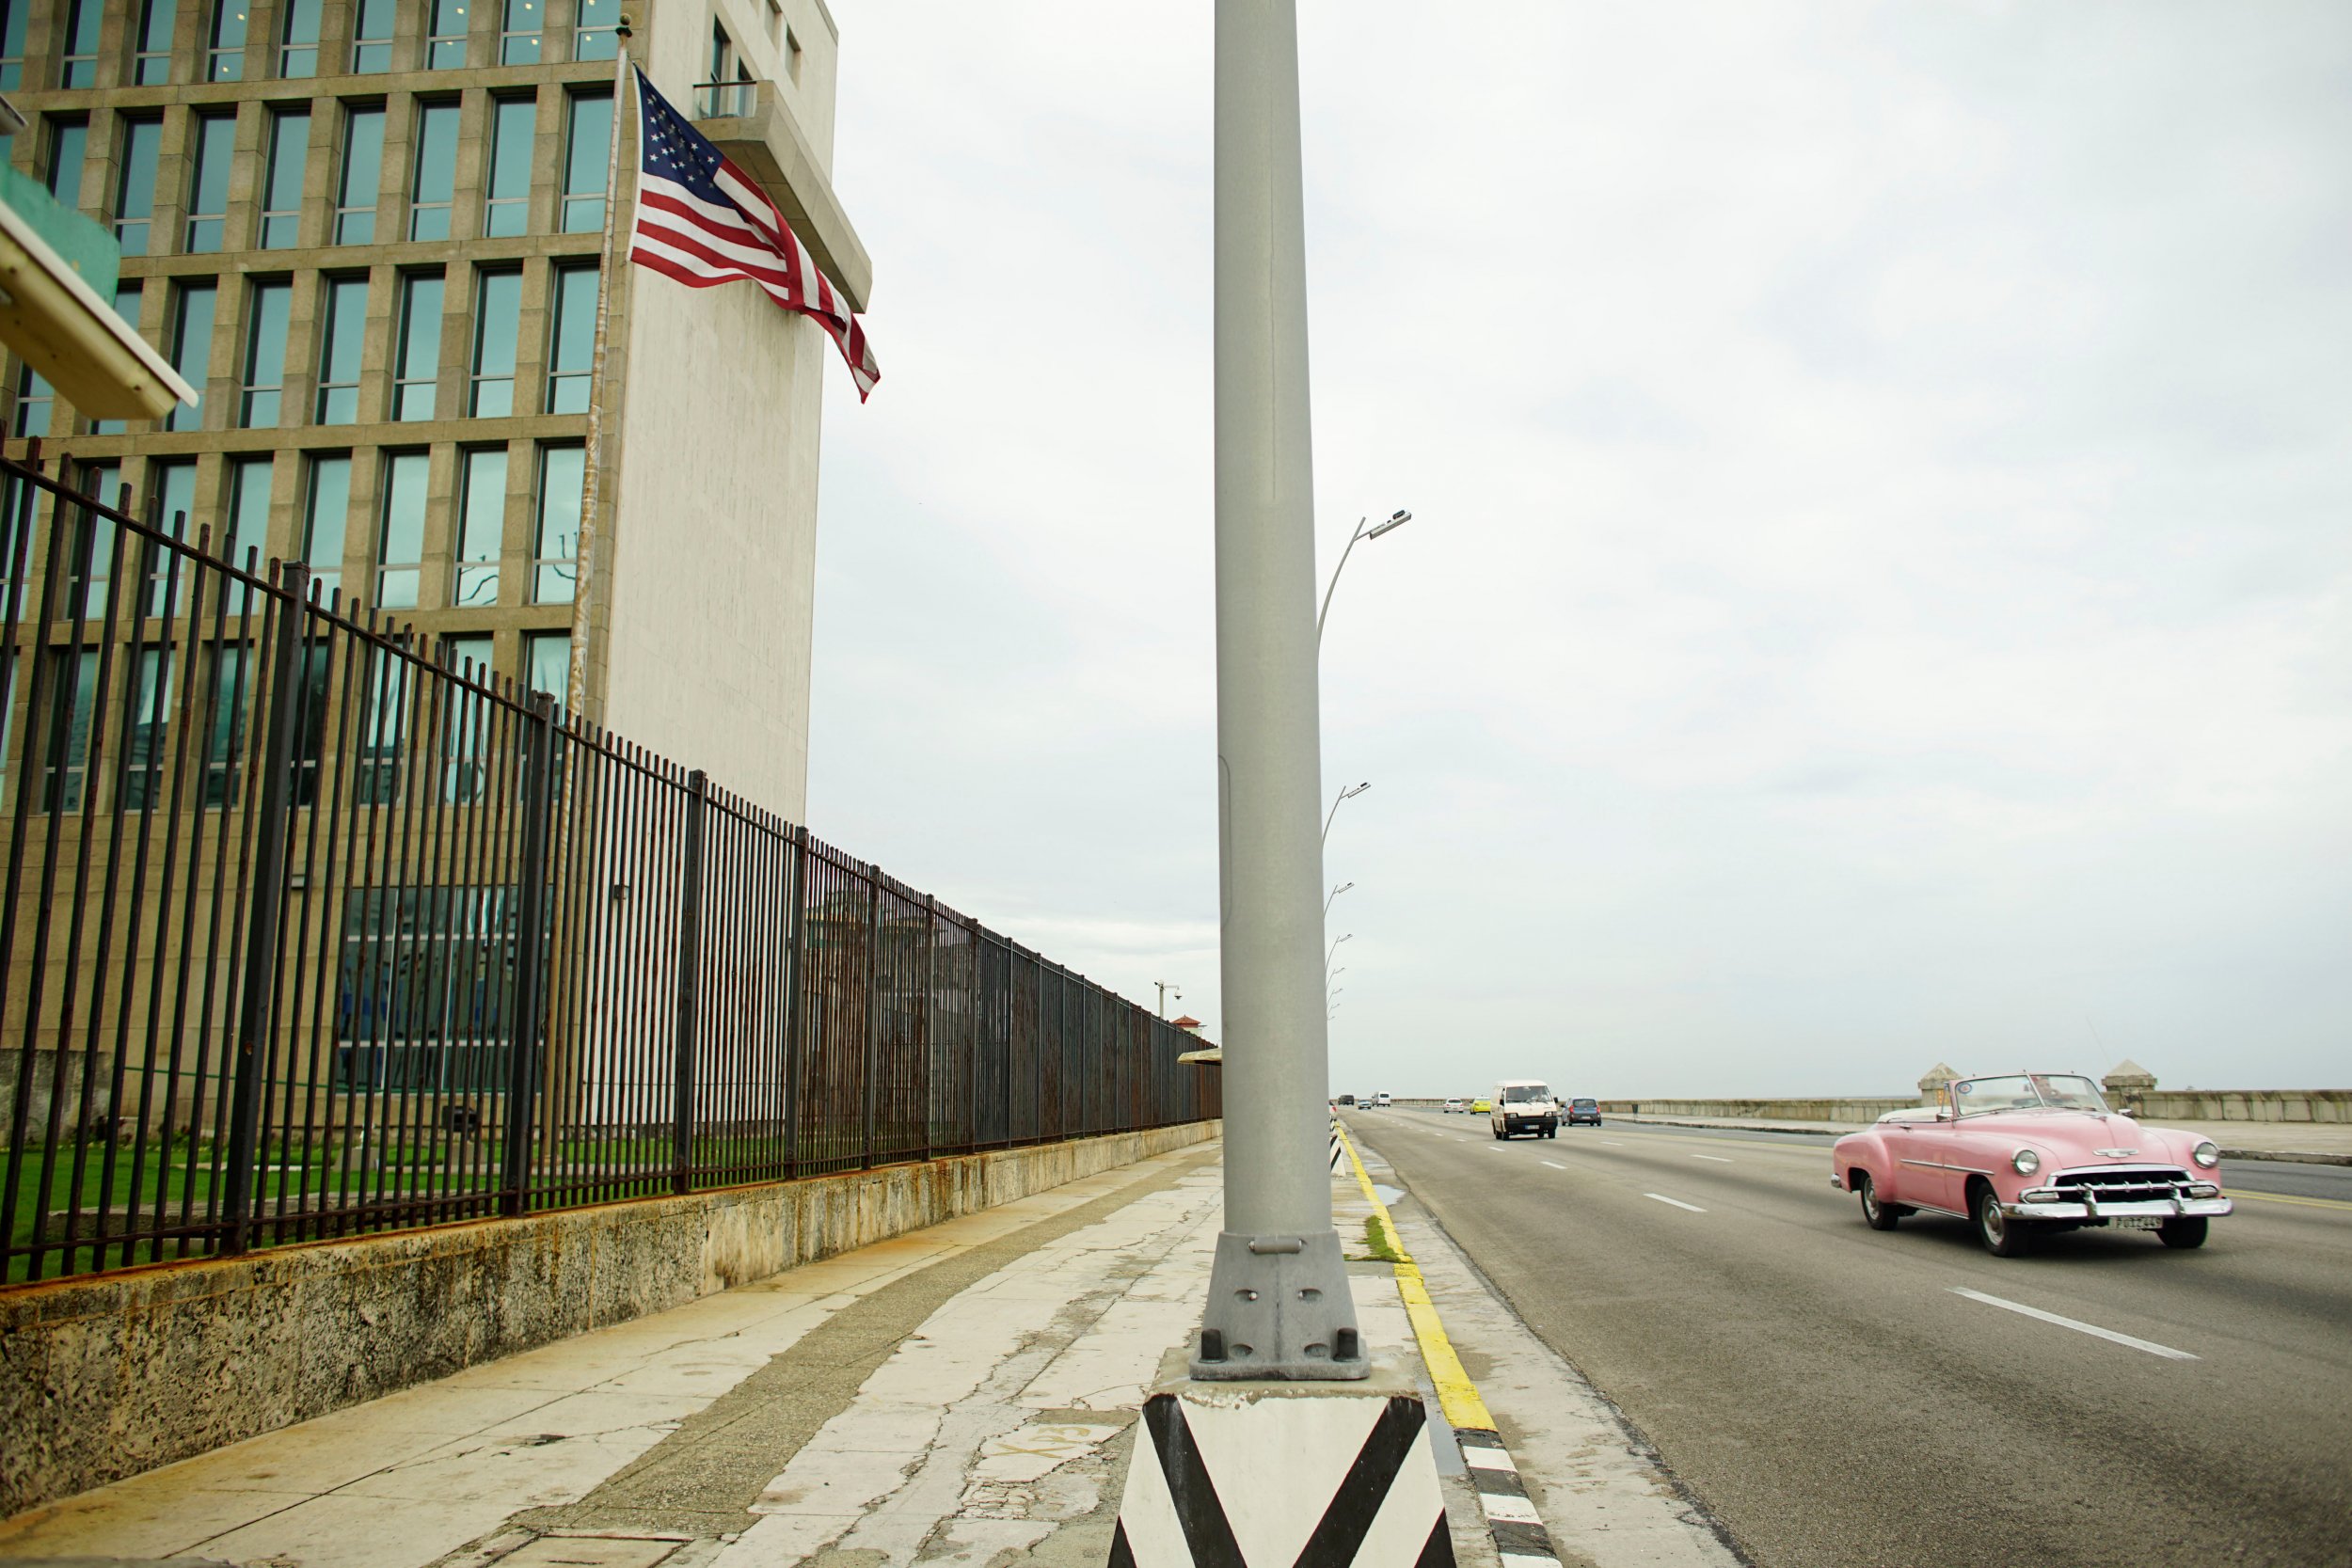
x=1335, y=892
x=1347, y=794
x=1395, y=520
x=1335, y=947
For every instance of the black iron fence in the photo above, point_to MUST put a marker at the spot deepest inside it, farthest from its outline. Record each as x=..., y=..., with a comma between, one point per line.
x=308, y=933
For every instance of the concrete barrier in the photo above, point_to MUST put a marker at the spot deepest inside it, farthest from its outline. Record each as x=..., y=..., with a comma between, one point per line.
x=1855, y=1111
x=108, y=1376
x=2327, y=1106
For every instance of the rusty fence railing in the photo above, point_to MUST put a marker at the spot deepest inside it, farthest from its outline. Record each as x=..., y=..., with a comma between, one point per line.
x=307, y=932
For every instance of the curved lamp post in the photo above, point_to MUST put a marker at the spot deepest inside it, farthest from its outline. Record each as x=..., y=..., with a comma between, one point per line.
x=1396, y=519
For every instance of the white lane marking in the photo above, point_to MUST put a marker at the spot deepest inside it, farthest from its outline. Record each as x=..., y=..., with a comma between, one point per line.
x=1717, y=1158
x=1675, y=1202
x=1612, y=1143
x=2091, y=1329
x=1554, y=1165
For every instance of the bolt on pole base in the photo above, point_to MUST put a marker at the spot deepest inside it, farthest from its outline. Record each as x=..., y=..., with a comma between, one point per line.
x=1280, y=1307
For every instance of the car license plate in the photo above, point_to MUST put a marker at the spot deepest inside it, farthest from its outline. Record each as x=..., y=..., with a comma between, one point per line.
x=2138, y=1221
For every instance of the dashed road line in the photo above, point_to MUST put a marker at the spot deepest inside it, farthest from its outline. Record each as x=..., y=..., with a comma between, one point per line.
x=2078, y=1327
x=1555, y=1164
x=1675, y=1202
x=1717, y=1158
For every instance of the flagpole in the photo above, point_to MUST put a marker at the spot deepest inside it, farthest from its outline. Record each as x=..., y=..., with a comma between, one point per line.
x=592, y=486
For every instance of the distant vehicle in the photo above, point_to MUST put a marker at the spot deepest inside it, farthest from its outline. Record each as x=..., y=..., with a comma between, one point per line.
x=1583, y=1108
x=1479, y=1108
x=1524, y=1105
x=1344, y=1100
x=1453, y=1105
x=1381, y=1099
x=2024, y=1154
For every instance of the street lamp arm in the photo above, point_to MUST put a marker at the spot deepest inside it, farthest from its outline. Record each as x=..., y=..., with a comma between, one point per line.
x=1326, y=610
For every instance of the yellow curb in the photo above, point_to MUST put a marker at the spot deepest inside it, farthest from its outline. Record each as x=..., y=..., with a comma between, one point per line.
x=1457, y=1396
x=2286, y=1198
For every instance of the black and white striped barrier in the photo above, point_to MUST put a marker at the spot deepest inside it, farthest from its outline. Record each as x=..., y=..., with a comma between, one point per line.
x=1521, y=1539
x=1335, y=1146
x=1283, y=1475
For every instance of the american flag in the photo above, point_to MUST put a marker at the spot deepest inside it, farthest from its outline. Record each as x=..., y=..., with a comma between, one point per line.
x=705, y=222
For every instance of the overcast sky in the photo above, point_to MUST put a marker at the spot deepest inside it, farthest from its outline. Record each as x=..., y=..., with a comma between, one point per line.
x=1880, y=587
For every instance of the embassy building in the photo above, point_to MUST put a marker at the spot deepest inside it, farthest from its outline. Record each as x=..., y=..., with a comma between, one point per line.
x=370, y=234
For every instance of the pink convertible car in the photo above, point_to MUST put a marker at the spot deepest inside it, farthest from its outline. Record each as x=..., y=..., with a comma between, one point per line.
x=2019, y=1153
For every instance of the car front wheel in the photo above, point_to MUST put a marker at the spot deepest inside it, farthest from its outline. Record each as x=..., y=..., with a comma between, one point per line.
x=2187, y=1230
x=1877, y=1215
x=2003, y=1237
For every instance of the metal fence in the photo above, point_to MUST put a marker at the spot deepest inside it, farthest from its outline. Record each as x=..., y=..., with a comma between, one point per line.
x=309, y=934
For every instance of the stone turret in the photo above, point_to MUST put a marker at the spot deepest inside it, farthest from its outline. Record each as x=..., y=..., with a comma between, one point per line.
x=2127, y=1084
x=1932, y=1083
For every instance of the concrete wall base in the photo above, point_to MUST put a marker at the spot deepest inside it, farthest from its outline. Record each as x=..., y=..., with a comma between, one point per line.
x=107, y=1376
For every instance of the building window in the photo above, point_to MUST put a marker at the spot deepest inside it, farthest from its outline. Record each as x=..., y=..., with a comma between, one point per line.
x=728, y=91
x=264, y=354
x=224, y=51
x=289, y=151
x=12, y=43
x=598, y=36
x=191, y=349
x=151, y=60
x=572, y=339
x=498, y=306
x=382, y=738
x=90, y=565
x=547, y=664
x=68, y=141
x=34, y=400
x=433, y=188
x=249, y=524
x=482, y=528
x=339, y=331
x=518, y=33
x=326, y=516
x=134, y=190
x=172, y=487
x=512, y=122
x=127, y=292
x=65, y=757
x=587, y=153
x=141, y=784
x=445, y=41
x=400, y=535
x=224, y=747
x=371, y=36
x=555, y=539
x=208, y=180
x=356, y=191
x=468, y=776
x=77, y=66
x=419, y=362
x=298, y=40
x=791, y=49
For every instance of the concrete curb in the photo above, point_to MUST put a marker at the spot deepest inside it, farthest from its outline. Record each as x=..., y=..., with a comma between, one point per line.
x=1518, y=1533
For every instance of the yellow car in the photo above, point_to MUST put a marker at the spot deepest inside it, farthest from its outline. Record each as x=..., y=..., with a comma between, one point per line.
x=1482, y=1107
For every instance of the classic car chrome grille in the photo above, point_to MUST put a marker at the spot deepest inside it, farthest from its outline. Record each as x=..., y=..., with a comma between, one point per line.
x=2125, y=1183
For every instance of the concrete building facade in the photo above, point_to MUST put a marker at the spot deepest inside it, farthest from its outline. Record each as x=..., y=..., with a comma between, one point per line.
x=370, y=232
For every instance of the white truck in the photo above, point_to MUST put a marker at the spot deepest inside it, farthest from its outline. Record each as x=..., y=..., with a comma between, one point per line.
x=1524, y=1105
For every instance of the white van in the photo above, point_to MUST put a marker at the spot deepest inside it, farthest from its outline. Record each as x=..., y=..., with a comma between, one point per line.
x=1524, y=1105
x=1381, y=1099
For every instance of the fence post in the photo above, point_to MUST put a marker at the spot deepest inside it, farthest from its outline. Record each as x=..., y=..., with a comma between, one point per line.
x=258, y=996
x=530, y=955
x=795, y=1002
x=873, y=1009
x=930, y=1018
x=690, y=974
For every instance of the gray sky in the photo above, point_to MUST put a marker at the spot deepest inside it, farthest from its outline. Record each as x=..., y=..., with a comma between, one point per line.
x=1880, y=587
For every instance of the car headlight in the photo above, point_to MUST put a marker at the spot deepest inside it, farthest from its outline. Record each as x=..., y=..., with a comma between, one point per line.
x=2025, y=1161
x=2206, y=1154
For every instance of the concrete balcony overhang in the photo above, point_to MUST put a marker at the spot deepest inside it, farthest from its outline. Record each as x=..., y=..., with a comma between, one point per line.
x=765, y=141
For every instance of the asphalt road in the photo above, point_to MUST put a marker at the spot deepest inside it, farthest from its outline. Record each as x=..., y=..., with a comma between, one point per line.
x=1836, y=1401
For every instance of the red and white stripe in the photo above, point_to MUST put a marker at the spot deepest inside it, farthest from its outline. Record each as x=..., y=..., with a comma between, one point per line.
x=701, y=244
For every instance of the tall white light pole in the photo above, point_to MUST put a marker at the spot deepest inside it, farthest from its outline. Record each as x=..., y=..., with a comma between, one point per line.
x=1278, y=1300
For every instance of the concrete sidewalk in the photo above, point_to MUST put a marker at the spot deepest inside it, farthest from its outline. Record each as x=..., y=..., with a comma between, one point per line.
x=2315, y=1143
x=963, y=1395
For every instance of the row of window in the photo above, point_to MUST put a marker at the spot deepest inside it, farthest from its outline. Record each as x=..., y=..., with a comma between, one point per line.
x=389, y=561
x=222, y=696
x=431, y=188
x=522, y=37
x=342, y=310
